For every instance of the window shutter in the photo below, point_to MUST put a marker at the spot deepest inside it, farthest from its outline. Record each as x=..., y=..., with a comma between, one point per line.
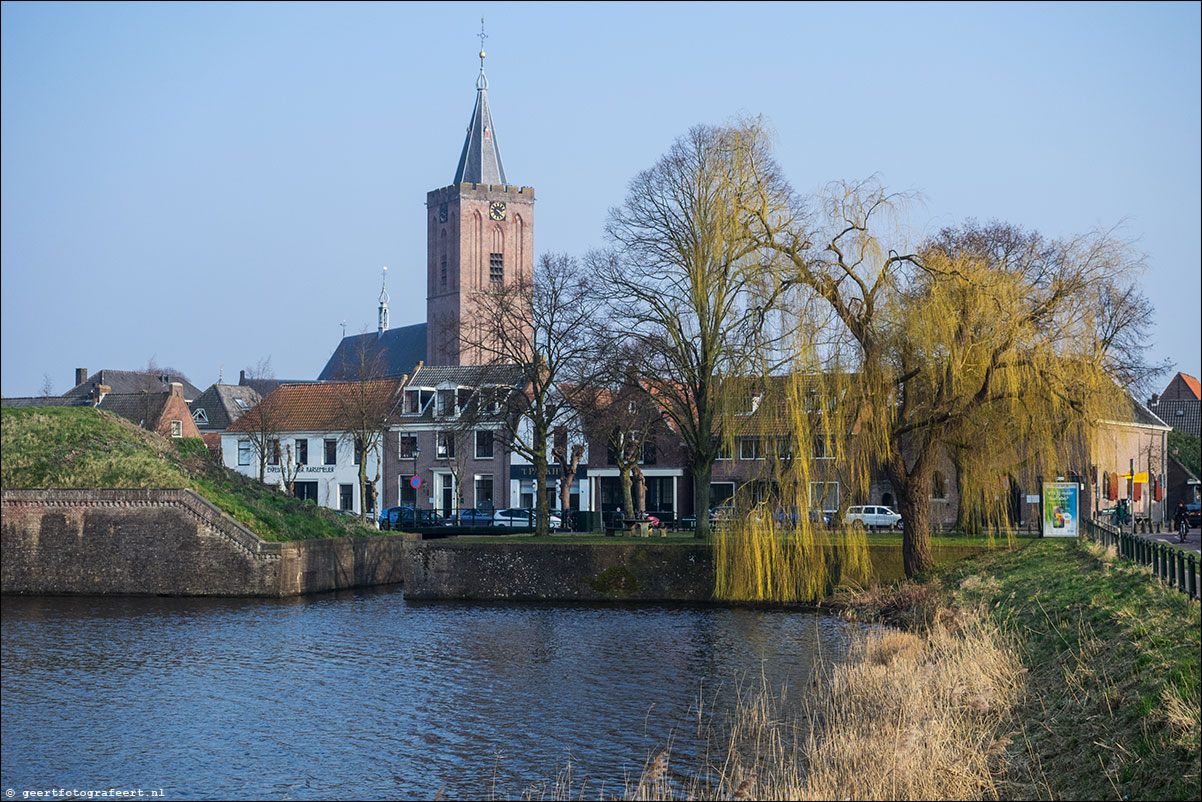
x=1137, y=490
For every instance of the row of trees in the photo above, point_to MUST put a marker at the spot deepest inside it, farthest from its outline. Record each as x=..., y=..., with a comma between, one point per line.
x=988, y=343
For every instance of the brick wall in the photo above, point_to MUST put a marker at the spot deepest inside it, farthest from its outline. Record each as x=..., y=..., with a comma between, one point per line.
x=170, y=543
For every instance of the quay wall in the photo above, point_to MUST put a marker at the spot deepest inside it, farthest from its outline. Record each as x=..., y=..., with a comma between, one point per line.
x=169, y=542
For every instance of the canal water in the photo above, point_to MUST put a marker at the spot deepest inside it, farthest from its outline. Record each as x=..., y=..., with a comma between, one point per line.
x=365, y=695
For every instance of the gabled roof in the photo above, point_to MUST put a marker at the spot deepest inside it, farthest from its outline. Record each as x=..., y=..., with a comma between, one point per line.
x=144, y=409
x=1183, y=387
x=47, y=401
x=133, y=381
x=466, y=375
x=480, y=162
x=318, y=407
x=391, y=353
x=221, y=405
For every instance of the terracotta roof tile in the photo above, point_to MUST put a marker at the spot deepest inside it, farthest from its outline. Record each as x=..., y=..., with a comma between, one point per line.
x=321, y=406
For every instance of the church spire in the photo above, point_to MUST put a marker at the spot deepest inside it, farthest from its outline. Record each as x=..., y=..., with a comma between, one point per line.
x=383, y=304
x=480, y=162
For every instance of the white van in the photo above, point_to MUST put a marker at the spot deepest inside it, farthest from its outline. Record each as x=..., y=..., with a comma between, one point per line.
x=872, y=517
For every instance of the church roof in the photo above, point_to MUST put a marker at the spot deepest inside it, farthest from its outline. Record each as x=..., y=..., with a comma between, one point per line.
x=376, y=355
x=480, y=162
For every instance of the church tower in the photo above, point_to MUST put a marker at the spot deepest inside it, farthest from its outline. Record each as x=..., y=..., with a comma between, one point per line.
x=479, y=236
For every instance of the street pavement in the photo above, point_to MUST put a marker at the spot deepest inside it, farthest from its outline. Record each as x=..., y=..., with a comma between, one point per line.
x=1193, y=540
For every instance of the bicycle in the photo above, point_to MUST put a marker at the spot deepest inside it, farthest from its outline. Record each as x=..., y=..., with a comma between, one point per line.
x=1182, y=530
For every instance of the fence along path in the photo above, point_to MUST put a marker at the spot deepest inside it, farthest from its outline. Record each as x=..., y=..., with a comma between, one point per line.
x=1175, y=567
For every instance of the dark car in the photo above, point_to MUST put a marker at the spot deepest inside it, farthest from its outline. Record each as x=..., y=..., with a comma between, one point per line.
x=1194, y=513
x=469, y=518
x=395, y=518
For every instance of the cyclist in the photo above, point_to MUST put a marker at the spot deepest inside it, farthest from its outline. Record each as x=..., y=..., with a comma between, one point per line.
x=1181, y=521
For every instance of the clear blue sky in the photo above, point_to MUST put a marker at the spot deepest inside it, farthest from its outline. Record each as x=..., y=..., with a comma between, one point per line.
x=209, y=184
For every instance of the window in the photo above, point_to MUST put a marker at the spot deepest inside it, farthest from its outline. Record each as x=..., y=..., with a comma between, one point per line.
x=484, y=445
x=408, y=446
x=244, y=452
x=273, y=452
x=442, y=270
x=200, y=416
x=408, y=495
x=824, y=496
x=721, y=493
x=649, y=452
x=358, y=450
x=484, y=499
x=331, y=457
x=446, y=446
x=302, y=452
x=749, y=448
x=723, y=450
x=242, y=405
x=820, y=450
x=177, y=428
x=938, y=488
x=346, y=497
x=496, y=267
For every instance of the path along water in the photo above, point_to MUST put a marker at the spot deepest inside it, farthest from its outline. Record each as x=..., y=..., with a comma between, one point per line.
x=366, y=696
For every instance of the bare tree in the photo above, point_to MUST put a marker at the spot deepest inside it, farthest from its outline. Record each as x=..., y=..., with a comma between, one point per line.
x=363, y=410
x=263, y=423
x=691, y=285
x=544, y=327
x=47, y=385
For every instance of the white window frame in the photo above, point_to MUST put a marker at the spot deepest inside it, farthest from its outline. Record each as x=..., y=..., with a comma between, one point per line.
x=244, y=450
x=177, y=428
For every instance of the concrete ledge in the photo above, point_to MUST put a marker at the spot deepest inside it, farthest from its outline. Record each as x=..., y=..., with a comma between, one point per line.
x=169, y=542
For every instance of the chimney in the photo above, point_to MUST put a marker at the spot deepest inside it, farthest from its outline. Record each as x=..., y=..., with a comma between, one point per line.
x=81, y=376
x=241, y=378
x=98, y=393
x=177, y=389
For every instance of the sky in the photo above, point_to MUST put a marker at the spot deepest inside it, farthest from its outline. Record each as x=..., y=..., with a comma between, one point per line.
x=204, y=186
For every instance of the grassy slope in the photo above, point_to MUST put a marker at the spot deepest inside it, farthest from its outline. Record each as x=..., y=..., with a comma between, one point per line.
x=81, y=447
x=1112, y=709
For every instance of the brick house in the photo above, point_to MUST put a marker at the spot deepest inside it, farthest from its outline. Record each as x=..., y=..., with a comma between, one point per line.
x=166, y=413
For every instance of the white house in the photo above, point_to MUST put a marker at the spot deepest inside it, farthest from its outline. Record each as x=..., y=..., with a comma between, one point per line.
x=310, y=439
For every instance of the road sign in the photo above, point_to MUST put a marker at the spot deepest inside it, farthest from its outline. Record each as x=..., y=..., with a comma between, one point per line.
x=415, y=482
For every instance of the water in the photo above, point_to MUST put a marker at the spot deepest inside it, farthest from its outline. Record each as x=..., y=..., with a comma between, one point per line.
x=366, y=695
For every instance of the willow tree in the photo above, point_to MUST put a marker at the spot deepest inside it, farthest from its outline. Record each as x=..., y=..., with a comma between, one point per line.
x=688, y=282
x=952, y=341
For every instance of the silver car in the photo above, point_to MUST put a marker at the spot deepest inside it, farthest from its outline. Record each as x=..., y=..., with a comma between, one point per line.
x=521, y=518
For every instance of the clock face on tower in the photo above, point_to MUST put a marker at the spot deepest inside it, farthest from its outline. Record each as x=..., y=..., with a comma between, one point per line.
x=496, y=210
x=442, y=213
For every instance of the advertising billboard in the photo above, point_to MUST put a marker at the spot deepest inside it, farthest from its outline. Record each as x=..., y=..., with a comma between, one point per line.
x=1060, y=509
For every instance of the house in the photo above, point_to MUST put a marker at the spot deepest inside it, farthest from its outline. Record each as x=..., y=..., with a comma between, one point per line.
x=308, y=434
x=1180, y=405
x=447, y=446
x=166, y=413
x=218, y=407
x=125, y=382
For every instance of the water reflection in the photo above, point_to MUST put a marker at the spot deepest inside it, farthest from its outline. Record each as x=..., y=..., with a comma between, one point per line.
x=363, y=695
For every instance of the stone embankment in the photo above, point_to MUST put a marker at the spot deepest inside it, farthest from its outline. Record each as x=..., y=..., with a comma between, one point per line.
x=169, y=543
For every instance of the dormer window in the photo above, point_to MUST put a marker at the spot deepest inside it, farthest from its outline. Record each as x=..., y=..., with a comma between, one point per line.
x=200, y=416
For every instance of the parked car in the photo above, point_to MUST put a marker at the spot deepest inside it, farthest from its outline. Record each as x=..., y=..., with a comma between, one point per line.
x=522, y=518
x=1194, y=511
x=469, y=518
x=400, y=517
x=872, y=517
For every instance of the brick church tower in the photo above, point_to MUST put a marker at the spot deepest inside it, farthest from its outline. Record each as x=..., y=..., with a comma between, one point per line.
x=479, y=236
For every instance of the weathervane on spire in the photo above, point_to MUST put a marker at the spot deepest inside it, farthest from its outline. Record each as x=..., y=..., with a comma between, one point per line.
x=383, y=325
x=482, y=81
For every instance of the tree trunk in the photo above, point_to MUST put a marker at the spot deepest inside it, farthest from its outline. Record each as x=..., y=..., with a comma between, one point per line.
x=627, y=499
x=916, y=522
x=640, y=490
x=702, y=479
x=541, y=520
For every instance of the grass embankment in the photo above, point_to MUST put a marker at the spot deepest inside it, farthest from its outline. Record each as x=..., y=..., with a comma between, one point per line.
x=83, y=448
x=1051, y=672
